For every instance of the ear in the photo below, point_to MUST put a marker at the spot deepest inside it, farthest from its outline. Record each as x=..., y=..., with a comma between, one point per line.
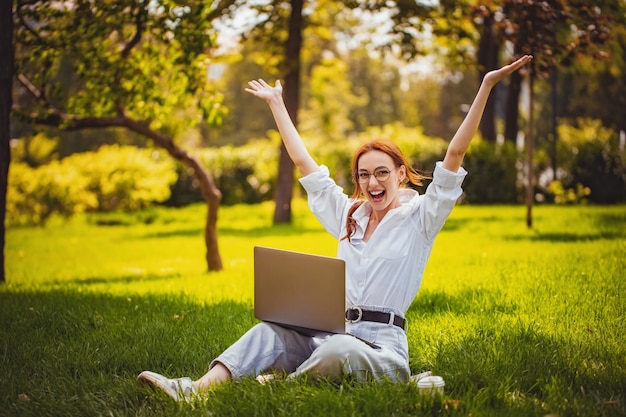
x=402, y=173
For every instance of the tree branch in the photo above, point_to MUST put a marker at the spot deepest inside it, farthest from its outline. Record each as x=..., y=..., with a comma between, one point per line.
x=139, y=19
x=37, y=93
x=32, y=31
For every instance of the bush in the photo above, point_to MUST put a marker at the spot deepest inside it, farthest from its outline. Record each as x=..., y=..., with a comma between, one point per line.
x=570, y=195
x=113, y=178
x=591, y=158
x=34, y=194
x=244, y=174
x=492, y=173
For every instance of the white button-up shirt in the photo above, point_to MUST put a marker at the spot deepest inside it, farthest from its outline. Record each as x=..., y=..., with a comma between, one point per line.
x=385, y=272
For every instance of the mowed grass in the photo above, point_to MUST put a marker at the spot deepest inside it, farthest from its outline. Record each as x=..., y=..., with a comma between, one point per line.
x=518, y=322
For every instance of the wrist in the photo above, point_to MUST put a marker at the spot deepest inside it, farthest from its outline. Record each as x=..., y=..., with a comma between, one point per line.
x=275, y=101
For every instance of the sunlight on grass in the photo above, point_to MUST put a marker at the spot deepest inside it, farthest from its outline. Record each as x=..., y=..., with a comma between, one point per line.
x=518, y=322
x=165, y=256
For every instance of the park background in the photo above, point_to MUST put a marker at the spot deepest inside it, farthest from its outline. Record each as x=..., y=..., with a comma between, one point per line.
x=131, y=132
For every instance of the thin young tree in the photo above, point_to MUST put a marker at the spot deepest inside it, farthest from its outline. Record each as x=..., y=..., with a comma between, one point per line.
x=6, y=101
x=133, y=65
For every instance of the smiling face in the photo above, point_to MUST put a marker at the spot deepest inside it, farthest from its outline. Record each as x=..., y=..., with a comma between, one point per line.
x=382, y=194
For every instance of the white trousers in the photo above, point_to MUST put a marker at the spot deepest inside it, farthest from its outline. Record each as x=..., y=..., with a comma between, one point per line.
x=268, y=347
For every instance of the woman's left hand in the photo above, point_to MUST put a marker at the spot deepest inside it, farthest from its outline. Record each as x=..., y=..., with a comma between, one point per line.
x=261, y=89
x=493, y=77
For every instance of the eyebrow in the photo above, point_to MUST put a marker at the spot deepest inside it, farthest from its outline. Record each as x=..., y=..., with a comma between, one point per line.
x=375, y=169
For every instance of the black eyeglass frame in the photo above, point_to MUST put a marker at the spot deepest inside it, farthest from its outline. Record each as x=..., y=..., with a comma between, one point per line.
x=363, y=177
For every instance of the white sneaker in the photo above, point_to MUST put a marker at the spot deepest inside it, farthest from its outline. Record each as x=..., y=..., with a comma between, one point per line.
x=180, y=389
x=265, y=378
x=415, y=378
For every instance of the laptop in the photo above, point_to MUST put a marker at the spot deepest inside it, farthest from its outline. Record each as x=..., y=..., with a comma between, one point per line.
x=300, y=291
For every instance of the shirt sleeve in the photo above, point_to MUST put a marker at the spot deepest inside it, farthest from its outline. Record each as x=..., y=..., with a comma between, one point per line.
x=326, y=200
x=439, y=200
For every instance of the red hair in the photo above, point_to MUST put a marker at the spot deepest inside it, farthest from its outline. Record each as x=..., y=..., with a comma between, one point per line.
x=391, y=149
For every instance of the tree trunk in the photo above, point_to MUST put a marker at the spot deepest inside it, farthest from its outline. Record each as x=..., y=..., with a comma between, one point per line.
x=6, y=101
x=530, y=149
x=285, y=180
x=555, y=134
x=488, y=60
x=512, y=107
x=210, y=192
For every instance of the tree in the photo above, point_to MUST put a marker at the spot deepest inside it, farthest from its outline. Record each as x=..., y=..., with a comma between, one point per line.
x=554, y=33
x=285, y=180
x=132, y=63
x=6, y=100
x=278, y=26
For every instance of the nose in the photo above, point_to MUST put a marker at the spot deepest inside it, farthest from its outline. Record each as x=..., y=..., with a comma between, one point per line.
x=372, y=178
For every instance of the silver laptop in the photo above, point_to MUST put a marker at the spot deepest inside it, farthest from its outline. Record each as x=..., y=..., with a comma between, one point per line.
x=300, y=291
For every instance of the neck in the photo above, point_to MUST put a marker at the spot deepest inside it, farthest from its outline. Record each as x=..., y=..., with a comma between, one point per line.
x=377, y=215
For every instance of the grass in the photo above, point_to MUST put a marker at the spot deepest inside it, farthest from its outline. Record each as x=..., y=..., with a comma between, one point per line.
x=518, y=322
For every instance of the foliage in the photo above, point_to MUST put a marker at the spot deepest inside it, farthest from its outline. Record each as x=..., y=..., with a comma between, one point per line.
x=142, y=59
x=562, y=195
x=34, y=150
x=492, y=173
x=555, y=32
x=595, y=89
x=330, y=103
x=591, y=156
x=34, y=194
x=519, y=323
x=244, y=174
x=113, y=178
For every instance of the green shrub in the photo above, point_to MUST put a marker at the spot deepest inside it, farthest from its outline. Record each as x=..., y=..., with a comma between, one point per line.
x=113, y=178
x=244, y=174
x=590, y=155
x=492, y=173
x=34, y=194
x=564, y=195
x=125, y=177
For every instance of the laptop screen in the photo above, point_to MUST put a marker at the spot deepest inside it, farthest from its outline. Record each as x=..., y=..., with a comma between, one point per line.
x=299, y=290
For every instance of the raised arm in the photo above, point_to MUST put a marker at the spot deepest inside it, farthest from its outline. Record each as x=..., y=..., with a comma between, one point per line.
x=273, y=96
x=463, y=136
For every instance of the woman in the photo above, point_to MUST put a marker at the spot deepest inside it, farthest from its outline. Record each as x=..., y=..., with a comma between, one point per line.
x=385, y=233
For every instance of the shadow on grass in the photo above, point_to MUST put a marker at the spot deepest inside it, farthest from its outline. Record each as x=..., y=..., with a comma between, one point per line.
x=277, y=230
x=122, y=279
x=514, y=364
x=455, y=223
x=524, y=366
x=566, y=237
x=466, y=301
x=67, y=352
x=173, y=233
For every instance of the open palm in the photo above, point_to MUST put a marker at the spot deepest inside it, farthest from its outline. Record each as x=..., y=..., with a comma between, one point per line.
x=263, y=90
x=493, y=77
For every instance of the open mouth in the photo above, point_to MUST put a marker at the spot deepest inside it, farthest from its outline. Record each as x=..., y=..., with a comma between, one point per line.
x=377, y=196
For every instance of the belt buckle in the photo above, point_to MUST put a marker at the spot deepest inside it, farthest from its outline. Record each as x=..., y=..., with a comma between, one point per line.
x=359, y=316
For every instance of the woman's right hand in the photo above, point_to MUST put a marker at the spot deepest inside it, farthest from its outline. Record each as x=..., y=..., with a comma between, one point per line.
x=263, y=90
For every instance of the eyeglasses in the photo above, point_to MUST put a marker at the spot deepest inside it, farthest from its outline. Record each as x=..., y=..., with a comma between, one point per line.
x=381, y=175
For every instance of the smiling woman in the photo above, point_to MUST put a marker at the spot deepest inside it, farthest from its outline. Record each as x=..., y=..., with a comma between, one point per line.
x=389, y=172
x=390, y=234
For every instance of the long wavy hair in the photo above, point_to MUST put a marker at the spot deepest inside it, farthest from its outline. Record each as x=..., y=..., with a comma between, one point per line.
x=391, y=149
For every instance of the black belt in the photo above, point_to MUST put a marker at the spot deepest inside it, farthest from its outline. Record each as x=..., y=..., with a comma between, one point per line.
x=355, y=315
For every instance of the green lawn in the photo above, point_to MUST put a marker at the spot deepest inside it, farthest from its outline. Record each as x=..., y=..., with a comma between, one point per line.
x=518, y=322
